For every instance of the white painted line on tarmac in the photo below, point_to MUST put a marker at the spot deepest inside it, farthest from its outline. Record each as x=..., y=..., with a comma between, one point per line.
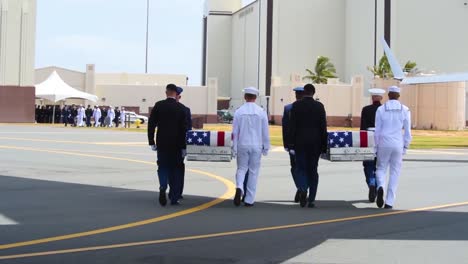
x=7, y=221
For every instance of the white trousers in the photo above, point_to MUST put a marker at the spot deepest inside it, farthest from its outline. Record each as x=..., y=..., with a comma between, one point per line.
x=80, y=120
x=389, y=157
x=248, y=160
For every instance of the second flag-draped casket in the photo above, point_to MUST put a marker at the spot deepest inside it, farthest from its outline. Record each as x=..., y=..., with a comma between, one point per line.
x=350, y=146
x=209, y=146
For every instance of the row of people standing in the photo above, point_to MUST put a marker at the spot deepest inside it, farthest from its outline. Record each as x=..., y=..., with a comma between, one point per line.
x=77, y=115
x=109, y=117
x=45, y=114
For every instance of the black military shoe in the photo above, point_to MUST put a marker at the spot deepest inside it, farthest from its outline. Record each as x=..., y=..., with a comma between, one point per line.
x=372, y=193
x=237, y=197
x=297, y=196
x=380, y=201
x=162, y=198
x=303, y=199
x=311, y=205
x=388, y=206
x=248, y=205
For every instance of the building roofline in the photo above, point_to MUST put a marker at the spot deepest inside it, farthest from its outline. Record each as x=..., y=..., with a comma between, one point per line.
x=56, y=67
x=245, y=7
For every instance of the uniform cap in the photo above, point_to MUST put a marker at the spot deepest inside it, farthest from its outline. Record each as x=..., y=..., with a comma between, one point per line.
x=394, y=89
x=299, y=89
x=251, y=90
x=179, y=90
x=377, y=91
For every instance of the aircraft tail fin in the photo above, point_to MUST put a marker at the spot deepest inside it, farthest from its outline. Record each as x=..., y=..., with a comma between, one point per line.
x=394, y=65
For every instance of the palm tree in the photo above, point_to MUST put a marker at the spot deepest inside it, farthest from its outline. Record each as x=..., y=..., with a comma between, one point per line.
x=324, y=69
x=410, y=68
x=383, y=69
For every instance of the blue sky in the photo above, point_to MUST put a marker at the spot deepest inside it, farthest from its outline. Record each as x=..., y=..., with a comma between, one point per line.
x=111, y=34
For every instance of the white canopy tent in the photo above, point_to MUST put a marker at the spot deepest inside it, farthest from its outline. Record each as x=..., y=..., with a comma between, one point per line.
x=55, y=89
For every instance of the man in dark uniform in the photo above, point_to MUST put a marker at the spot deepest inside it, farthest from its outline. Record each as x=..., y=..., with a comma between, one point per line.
x=74, y=114
x=58, y=114
x=188, y=117
x=307, y=139
x=103, y=116
x=285, y=125
x=88, y=114
x=169, y=117
x=36, y=116
x=117, y=116
x=368, y=123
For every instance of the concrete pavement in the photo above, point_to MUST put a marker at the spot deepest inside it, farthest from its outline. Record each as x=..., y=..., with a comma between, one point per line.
x=89, y=196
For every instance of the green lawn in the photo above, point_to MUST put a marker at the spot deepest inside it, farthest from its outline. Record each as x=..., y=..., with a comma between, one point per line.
x=422, y=139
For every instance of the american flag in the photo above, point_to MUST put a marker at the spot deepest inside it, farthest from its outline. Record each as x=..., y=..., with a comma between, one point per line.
x=348, y=139
x=209, y=138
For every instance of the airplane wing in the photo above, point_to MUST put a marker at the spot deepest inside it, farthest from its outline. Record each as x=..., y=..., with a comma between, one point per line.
x=456, y=77
x=396, y=68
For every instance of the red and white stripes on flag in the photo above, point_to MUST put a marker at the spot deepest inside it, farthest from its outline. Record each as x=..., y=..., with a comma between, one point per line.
x=220, y=139
x=363, y=139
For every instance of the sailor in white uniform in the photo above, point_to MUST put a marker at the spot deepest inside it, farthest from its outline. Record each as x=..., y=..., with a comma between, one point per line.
x=110, y=116
x=80, y=116
x=392, y=139
x=250, y=140
x=97, y=116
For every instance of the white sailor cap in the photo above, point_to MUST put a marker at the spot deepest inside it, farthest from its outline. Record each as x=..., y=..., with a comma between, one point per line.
x=394, y=89
x=250, y=90
x=377, y=91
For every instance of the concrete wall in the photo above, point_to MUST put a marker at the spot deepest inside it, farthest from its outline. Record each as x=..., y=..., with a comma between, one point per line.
x=17, y=42
x=202, y=100
x=340, y=101
x=229, y=6
x=142, y=79
x=245, y=52
x=75, y=79
x=219, y=45
x=359, y=32
x=304, y=30
x=438, y=106
x=17, y=47
x=435, y=44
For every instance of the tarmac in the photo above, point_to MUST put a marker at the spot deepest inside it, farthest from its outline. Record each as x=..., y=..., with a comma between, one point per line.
x=85, y=195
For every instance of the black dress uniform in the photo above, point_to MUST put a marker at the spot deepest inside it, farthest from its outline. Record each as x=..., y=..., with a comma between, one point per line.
x=170, y=119
x=307, y=138
x=368, y=121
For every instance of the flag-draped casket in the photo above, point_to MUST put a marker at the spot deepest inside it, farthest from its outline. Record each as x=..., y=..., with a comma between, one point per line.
x=209, y=146
x=350, y=146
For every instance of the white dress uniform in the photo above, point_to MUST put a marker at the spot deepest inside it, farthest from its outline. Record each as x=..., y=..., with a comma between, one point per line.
x=250, y=140
x=111, y=116
x=122, y=117
x=97, y=117
x=80, y=116
x=391, y=143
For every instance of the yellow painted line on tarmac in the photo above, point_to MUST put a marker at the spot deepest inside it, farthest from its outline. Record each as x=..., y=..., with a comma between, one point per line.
x=231, y=233
x=228, y=194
